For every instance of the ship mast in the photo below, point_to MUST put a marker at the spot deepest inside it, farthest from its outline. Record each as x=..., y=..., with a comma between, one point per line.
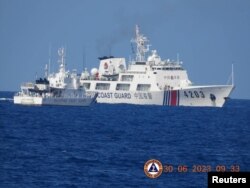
x=61, y=61
x=232, y=75
x=142, y=46
x=46, y=71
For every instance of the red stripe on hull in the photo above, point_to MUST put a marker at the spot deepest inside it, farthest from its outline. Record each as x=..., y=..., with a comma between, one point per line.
x=173, y=98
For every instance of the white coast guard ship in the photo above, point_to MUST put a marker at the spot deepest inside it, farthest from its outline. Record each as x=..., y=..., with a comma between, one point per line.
x=60, y=88
x=149, y=81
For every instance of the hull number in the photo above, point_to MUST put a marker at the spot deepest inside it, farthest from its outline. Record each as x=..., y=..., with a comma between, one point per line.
x=194, y=94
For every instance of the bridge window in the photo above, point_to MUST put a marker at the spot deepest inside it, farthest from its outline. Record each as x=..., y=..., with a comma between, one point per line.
x=86, y=85
x=127, y=78
x=143, y=87
x=122, y=87
x=102, y=86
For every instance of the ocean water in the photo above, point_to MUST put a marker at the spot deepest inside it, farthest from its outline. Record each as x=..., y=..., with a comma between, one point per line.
x=107, y=145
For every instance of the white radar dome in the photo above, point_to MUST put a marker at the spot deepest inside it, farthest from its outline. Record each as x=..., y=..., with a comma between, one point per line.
x=94, y=71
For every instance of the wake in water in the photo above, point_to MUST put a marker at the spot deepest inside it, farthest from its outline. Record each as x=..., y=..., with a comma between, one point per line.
x=6, y=99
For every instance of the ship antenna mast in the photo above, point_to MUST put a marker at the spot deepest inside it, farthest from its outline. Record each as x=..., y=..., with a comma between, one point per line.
x=61, y=53
x=141, y=45
x=232, y=74
x=231, y=77
x=83, y=58
x=49, y=59
x=46, y=71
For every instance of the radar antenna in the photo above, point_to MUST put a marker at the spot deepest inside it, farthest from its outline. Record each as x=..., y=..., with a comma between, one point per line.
x=46, y=71
x=61, y=61
x=141, y=45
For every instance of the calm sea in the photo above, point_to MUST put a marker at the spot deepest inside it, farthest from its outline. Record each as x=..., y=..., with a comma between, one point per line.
x=108, y=145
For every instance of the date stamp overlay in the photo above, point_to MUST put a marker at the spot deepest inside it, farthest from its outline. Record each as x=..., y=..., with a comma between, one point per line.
x=218, y=176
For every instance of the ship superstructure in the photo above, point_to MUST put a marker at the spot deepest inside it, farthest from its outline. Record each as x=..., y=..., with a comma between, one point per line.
x=149, y=80
x=61, y=88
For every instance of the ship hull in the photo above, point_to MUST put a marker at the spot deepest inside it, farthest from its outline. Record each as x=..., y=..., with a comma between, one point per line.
x=30, y=100
x=211, y=96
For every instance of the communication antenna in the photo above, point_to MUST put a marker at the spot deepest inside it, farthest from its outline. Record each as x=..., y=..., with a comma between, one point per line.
x=178, y=58
x=49, y=59
x=61, y=60
x=83, y=58
x=46, y=71
x=232, y=74
x=142, y=46
x=231, y=77
x=132, y=48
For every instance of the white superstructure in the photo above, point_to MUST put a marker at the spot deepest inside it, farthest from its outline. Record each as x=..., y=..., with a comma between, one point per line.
x=149, y=80
x=61, y=88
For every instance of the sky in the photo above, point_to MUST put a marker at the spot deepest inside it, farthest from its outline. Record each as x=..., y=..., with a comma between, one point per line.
x=208, y=35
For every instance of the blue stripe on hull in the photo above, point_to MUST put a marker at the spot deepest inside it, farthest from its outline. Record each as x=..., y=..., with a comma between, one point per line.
x=167, y=98
x=164, y=98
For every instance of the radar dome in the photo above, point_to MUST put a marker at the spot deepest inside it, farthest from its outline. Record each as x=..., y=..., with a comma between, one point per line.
x=94, y=71
x=150, y=58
